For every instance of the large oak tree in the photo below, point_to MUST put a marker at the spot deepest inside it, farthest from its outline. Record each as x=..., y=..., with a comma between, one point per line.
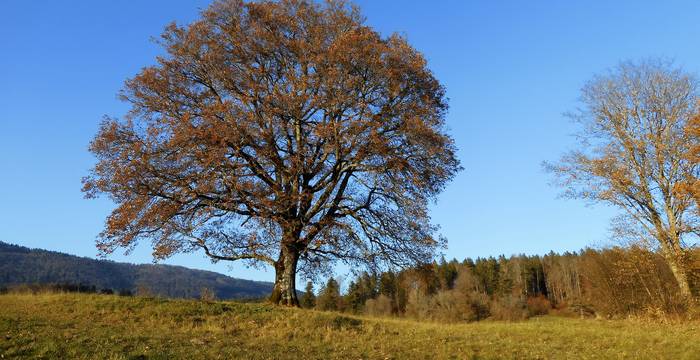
x=632, y=155
x=287, y=133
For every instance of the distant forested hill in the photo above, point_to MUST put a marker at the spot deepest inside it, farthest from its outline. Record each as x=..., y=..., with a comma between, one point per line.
x=21, y=265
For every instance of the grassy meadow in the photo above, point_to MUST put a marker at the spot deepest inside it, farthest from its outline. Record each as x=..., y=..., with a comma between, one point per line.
x=110, y=327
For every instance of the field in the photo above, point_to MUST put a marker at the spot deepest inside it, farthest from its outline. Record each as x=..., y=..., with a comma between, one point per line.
x=111, y=327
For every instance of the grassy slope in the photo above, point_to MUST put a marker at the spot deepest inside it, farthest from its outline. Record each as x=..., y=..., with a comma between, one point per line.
x=93, y=326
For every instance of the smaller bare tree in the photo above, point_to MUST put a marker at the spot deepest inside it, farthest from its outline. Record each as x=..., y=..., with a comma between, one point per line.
x=632, y=154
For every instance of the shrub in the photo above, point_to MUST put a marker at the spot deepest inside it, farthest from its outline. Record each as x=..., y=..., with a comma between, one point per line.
x=143, y=291
x=508, y=308
x=381, y=306
x=538, y=305
x=448, y=306
x=207, y=295
x=106, y=291
x=417, y=304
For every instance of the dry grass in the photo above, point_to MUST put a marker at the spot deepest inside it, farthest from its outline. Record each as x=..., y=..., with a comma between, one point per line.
x=112, y=327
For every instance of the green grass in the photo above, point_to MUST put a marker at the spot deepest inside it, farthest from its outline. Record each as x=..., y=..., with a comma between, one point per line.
x=110, y=327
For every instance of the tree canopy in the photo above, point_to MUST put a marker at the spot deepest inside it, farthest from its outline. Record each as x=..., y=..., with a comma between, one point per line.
x=278, y=132
x=633, y=155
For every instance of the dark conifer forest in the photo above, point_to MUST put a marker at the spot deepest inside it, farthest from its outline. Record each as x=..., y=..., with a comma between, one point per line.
x=24, y=267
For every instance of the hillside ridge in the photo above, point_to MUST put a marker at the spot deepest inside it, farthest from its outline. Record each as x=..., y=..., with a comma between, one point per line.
x=23, y=265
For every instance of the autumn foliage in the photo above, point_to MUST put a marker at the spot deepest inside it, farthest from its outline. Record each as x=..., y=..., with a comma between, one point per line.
x=282, y=133
x=614, y=282
x=692, y=131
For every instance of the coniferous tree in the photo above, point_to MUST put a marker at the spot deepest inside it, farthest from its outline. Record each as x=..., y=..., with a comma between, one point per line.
x=329, y=297
x=309, y=299
x=363, y=288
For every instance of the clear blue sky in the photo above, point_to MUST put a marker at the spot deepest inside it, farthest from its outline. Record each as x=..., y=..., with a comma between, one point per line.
x=511, y=69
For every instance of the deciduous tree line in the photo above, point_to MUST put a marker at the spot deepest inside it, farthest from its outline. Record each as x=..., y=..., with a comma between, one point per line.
x=611, y=282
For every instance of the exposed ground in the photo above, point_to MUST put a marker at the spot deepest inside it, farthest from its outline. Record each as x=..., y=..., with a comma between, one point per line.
x=111, y=327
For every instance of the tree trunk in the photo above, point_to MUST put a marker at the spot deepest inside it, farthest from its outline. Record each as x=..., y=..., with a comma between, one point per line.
x=673, y=253
x=679, y=273
x=284, y=292
x=276, y=289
